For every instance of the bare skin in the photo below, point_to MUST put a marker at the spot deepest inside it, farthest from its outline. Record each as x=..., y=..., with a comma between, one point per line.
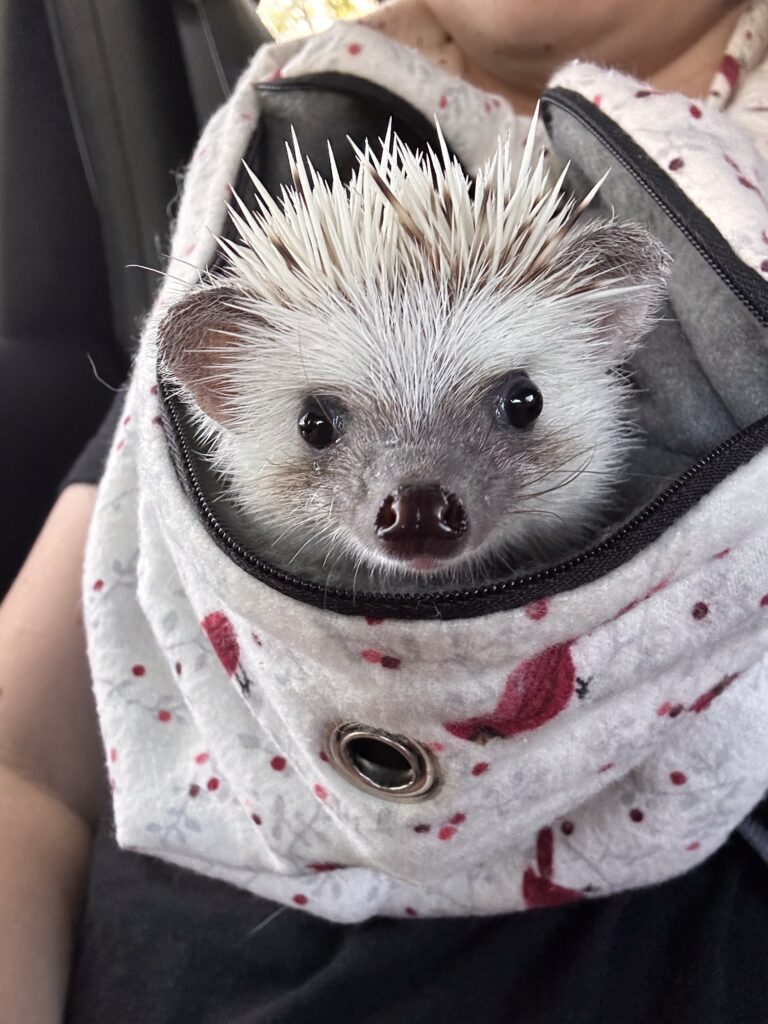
x=52, y=777
x=512, y=48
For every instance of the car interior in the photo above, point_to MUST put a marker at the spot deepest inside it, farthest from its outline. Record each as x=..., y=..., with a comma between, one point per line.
x=101, y=102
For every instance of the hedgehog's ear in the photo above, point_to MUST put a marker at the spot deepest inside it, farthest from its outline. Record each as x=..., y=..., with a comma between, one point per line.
x=619, y=257
x=197, y=337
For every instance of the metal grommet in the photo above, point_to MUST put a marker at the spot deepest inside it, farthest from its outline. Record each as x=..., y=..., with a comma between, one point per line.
x=389, y=766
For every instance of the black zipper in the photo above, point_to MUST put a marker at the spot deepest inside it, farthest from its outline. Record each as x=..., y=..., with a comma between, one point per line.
x=630, y=538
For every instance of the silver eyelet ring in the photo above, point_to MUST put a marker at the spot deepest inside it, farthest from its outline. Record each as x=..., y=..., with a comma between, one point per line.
x=389, y=766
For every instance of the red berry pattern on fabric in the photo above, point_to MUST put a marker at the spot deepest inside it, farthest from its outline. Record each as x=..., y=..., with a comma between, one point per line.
x=164, y=715
x=536, y=691
x=256, y=819
x=539, y=887
x=177, y=668
x=700, y=610
x=695, y=110
x=221, y=634
x=693, y=846
x=323, y=756
x=729, y=68
x=212, y=784
x=537, y=610
x=98, y=585
x=373, y=621
x=201, y=758
x=655, y=589
x=676, y=163
x=354, y=49
x=605, y=767
x=113, y=755
x=636, y=814
x=300, y=899
x=194, y=789
x=421, y=828
x=278, y=763
x=669, y=709
x=138, y=670
x=678, y=778
x=446, y=832
x=702, y=703
x=323, y=866
x=480, y=768
x=377, y=658
x=411, y=912
x=321, y=792
x=567, y=828
x=764, y=601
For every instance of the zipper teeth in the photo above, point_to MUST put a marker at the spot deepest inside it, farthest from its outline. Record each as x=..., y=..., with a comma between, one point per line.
x=553, y=572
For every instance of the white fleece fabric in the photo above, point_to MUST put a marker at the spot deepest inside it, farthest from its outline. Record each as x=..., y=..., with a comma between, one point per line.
x=609, y=737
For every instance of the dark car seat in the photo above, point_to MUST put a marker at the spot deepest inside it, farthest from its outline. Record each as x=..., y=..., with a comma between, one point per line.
x=100, y=105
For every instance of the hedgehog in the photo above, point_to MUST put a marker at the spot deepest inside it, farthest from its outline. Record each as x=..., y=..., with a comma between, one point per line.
x=412, y=380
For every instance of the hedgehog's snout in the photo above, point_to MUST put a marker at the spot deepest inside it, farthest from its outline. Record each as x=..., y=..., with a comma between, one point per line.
x=421, y=519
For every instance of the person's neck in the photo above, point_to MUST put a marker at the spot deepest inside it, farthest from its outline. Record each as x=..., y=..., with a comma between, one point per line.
x=521, y=78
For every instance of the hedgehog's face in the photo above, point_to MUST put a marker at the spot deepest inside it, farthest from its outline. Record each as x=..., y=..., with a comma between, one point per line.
x=429, y=518
x=407, y=378
x=409, y=443
x=432, y=490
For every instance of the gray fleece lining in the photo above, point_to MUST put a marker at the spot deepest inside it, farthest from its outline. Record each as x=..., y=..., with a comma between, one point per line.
x=702, y=374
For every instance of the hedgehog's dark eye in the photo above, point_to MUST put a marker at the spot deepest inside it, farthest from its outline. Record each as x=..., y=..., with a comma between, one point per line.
x=519, y=402
x=320, y=423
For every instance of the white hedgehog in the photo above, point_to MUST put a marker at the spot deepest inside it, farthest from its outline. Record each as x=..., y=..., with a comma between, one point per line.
x=405, y=382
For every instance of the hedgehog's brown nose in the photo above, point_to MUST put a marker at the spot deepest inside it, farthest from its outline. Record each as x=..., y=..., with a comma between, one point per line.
x=421, y=518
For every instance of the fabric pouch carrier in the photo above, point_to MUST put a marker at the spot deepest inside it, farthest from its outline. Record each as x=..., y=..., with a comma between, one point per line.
x=597, y=726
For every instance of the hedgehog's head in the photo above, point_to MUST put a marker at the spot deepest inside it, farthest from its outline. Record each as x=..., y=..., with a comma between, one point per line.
x=414, y=377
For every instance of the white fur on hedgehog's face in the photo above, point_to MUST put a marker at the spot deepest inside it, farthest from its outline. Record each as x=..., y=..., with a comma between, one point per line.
x=408, y=377
x=412, y=437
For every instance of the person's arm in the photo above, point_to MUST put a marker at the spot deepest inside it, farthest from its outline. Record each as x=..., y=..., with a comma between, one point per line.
x=52, y=775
